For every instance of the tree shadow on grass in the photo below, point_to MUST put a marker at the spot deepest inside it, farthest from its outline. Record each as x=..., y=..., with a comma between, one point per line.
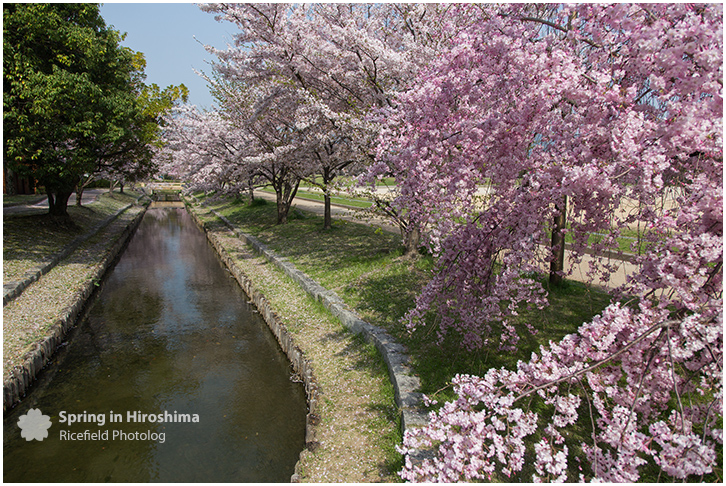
x=384, y=299
x=34, y=237
x=304, y=241
x=361, y=265
x=28, y=241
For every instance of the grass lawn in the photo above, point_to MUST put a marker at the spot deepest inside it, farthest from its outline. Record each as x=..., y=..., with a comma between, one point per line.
x=21, y=199
x=28, y=239
x=628, y=243
x=318, y=196
x=344, y=201
x=367, y=269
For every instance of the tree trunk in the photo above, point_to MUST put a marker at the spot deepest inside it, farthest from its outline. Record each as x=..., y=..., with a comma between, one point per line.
x=557, y=265
x=328, y=176
x=285, y=195
x=250, y=193
x=81, y=186
x=79, y=194
x=282, y=209
x=327, y=218
x=58, y=203
x=412, y=241
x=8, y=182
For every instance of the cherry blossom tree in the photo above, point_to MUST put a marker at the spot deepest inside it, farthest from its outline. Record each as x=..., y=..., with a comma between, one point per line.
x=202, y=148
x=256, y=138
x=278, y=127
x=596, y=106
x=341, y=60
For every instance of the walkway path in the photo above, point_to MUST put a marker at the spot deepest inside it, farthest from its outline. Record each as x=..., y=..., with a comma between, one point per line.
x=579, y=273
x=89, y=196
x=337, y=211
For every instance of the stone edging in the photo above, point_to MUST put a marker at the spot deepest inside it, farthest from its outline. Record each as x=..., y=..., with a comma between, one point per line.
x=405, y=383
x=300, y=364
x=12, y=290
x=33, y=361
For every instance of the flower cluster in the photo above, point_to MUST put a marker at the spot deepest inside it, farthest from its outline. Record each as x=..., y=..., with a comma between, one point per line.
x=616, y=110
x=616, y=377
x=541, y=109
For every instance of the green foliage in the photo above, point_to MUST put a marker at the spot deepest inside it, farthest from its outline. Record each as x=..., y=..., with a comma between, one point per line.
x=155, y=103
x=73, y=98
x=258, y=202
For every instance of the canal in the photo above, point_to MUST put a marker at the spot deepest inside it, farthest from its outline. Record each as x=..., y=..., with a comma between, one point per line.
x=172, y=377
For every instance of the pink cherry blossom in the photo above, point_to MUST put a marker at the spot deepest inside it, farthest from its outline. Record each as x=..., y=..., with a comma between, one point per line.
x=611, y=107
x=491, y=118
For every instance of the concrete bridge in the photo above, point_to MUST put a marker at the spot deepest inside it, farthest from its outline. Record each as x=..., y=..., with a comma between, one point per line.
x=165, y=196
x=163, y=191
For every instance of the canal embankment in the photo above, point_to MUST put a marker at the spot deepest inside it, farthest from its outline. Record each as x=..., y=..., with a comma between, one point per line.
x=13, y=288
x=301, y=365
x=370, y=272
x=55, y=280
x=168, y=332
x=405, y=383
x=358, y=422
x=354, y=418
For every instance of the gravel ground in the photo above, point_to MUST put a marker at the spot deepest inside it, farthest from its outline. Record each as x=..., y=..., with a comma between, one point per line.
x=28, y=318
x=358, y=415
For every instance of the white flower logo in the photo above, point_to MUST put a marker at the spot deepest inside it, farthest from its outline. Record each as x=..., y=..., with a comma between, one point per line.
x=34, y=425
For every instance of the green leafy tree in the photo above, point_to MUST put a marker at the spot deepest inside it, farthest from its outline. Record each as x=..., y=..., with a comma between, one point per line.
x=133, y=157
x=74, y=99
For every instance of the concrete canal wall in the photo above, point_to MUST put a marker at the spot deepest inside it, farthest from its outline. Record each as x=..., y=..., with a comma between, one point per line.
x=301, y=366
x=23, y=375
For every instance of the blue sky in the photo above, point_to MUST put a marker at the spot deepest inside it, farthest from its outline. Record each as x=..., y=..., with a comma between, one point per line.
x=165, y=33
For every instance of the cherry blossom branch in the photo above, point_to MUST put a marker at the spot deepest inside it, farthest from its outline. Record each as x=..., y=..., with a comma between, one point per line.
x=675, y=383
x=592, y=421
x=640, y=385
x=648, y=332
x=557, y=27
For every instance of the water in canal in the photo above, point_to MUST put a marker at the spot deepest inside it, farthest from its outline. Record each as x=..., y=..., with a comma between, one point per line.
x=172, y=335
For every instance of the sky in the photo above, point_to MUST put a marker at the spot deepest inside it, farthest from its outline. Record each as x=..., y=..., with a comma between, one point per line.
x=171, y=36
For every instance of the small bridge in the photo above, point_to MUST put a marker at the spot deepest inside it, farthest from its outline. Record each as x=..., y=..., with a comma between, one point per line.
x=164, y=191
x=165, y=196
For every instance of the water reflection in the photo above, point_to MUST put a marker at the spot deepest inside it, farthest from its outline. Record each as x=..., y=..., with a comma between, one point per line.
x=171, y=331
